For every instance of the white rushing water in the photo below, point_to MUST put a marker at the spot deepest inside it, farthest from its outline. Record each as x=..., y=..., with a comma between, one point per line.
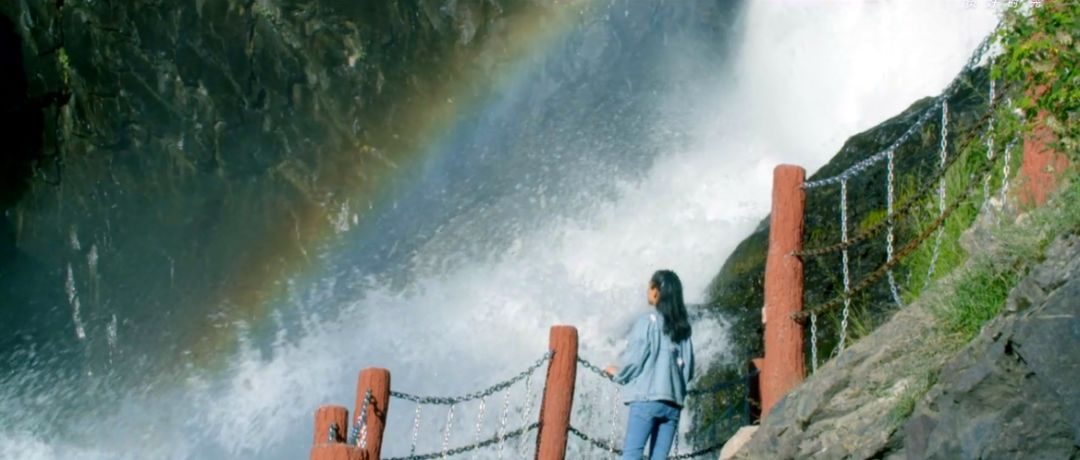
x=806, y=76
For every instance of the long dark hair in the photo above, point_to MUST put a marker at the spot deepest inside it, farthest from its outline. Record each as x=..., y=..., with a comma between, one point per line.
x=671, y=306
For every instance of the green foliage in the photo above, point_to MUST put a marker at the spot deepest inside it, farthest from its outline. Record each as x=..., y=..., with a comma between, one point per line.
x=65, y=66
x=980, y=294
x=1042, y=50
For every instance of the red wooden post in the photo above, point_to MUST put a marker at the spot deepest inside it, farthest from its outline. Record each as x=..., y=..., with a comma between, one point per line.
x=558, y=394
x=1042, y=167
x=327, y=416
x=783, y=367
x=323, y=448
x=376, y=380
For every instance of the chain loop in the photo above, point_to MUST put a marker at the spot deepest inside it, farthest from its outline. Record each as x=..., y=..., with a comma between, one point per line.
x=876, y=275
x=358, y=435
x=416, y=429
x=1005, y=171
x=452, y=400
x=889, y=239
x=332, y=436
x=941, y=194
x=480, y=419
x=845, y=261
x=446, y=434
x=502, y=423
x=989, y=146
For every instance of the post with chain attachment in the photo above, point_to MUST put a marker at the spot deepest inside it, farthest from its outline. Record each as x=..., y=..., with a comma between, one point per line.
x=377, y=382
x=783, y=367
x=331, y=424
x=558, y=394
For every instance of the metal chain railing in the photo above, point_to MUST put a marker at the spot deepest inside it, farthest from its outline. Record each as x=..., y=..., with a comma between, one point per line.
x=452, y=400
x=858, y=168
x=480, y=420
x=903, y=210
x=1005, y=170
x=358, y=436
x=498, y=438
x=989, y=149
x=943, y=154
x=846, y=272
x=890, y=237
x=595, y=369
x=876, y=275
x=332, y=433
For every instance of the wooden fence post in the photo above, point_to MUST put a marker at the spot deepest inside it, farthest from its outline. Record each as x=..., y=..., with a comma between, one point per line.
x=784, y=363
x=324, y=448
x=558, y=394
x=376, y=380
x=1042, y=167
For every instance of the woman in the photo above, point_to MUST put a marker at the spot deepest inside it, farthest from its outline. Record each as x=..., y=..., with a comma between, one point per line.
x=656, y=366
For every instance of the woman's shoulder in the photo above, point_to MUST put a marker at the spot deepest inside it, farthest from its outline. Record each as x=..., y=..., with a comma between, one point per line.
x=649, y=320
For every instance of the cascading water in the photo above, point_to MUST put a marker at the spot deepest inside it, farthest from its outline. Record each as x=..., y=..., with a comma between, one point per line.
x=643, y=139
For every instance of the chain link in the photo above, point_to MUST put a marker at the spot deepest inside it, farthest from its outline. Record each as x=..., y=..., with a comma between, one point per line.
x=526, y=412
x=358, y=436
x=595, y=369
x=954, y=85
x=480, y=419
x=460, y=450
x=1005, y=170
x=416, y=429
x=891, y=190
x=502, y=422
x=902, y=211
x=451, y=400
x=941, y=193
x=845, y=262
x=876, y=275
x=332, y=436
x=449, y=427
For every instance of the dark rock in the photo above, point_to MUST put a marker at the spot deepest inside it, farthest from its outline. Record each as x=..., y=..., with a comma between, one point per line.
x=1013, y=392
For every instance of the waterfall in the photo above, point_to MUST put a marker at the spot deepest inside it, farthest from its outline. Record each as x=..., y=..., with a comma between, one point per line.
x=641, y=139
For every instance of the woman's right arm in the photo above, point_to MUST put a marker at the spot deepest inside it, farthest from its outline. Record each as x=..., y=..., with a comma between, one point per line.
x=632, y=359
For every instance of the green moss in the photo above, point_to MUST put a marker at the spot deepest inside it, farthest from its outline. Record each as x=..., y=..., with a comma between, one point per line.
x=65, y=66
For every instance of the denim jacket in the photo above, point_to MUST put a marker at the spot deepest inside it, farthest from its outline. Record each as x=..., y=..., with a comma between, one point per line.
x=652, y=367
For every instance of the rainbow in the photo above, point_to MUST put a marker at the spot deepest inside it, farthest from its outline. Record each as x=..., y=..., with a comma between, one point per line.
x=257, y=284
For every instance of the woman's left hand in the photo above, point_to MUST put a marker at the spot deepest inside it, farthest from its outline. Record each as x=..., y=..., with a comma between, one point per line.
x=611, y=370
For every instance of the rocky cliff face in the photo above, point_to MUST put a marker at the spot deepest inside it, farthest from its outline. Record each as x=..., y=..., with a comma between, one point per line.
x=899, y=393
x=181, y=159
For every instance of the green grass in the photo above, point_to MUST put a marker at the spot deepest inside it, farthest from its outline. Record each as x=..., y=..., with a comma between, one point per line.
x=979, y=293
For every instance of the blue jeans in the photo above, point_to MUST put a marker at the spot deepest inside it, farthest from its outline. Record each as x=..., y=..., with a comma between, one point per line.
x=655, y=420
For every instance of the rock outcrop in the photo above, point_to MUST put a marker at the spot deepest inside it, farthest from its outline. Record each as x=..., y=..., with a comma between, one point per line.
x=1015, y=391
x=897, y=393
